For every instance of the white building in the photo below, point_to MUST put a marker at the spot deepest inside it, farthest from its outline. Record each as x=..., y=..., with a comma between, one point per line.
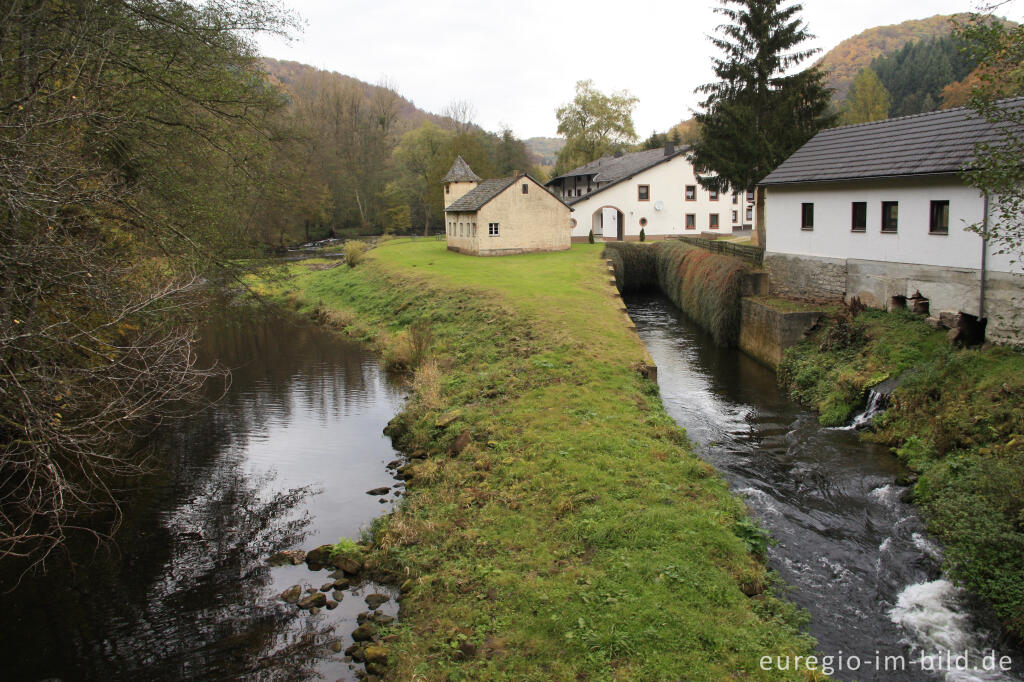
x=879, y=210
x=654, y=190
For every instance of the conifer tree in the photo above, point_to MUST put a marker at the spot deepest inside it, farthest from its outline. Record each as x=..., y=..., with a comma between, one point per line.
x=758, y=113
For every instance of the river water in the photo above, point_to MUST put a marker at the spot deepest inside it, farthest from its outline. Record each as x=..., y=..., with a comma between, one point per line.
x=283, y=460
x=856, y=557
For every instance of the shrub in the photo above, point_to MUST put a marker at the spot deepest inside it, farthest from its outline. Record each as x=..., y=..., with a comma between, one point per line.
x=590, y=237
x=355, y=251
x=643, y=235
x=420, y=336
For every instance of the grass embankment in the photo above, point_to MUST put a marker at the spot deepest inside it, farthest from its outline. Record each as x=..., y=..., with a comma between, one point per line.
x=957, y=418
x=557, y=524
x=704, y=285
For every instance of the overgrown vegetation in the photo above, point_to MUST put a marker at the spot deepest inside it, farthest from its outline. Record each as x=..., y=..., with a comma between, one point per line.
x=557, y=524
x=957, y=418
x=704, y=285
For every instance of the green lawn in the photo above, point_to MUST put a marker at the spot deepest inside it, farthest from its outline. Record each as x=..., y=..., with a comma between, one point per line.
x=575, y=535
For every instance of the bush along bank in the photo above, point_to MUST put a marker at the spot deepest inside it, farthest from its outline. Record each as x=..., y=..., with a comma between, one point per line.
x=704, y=285
x=956, y=419
x=557, y=524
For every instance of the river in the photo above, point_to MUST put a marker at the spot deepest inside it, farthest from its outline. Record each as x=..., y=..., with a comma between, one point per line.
x=283, y=460
x=856, y=557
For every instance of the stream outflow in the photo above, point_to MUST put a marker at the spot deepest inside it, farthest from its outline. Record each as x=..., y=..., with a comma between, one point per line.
x=857, y=557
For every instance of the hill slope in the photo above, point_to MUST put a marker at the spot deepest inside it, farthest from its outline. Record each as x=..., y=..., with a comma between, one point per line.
x=845, y=60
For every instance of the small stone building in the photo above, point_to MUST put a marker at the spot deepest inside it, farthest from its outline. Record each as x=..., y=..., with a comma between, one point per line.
x=501, y=217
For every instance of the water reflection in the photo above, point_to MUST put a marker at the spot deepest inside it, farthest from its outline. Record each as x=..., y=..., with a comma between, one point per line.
x=282, y=460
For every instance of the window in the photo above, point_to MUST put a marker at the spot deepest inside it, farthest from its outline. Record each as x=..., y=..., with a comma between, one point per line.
x=474, y=229
x=691, y=221
x=713, y=194
x=526, y=188
x=492, y=229
x=750, y=212
x=890, y=215
x=807, y=217
x=643, y=222
x=691, y=192
x=735, y=198
x=750, y=196
x=735, y=217
x=448, y=188
x=938, y=222
x=643, y=192
x=713, y=221
x=859, y=217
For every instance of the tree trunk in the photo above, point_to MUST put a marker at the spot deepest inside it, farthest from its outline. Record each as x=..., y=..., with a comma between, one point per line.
x=758, y=237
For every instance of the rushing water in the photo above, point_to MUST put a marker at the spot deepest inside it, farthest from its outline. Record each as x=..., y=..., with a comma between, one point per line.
x=857, y=557
x=283, y=460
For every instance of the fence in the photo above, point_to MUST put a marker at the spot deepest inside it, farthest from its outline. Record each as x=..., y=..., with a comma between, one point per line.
x=751, y=254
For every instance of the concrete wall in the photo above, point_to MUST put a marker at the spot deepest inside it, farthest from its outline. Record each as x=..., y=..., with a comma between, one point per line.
x=766, y=332
x=667, y=182
x=535, y=221
x=806, y=277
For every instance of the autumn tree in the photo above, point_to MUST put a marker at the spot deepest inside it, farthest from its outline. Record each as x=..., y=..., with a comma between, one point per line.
x=594, y=124
x=135, y=137
x=867, y=101
x=422, y=160
x=758, y=113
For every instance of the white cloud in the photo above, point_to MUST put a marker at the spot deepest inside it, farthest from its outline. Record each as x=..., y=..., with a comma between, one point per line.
x=516, y=62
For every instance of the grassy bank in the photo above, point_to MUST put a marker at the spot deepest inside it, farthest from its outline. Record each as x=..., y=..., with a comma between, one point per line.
x=957, y=418
x=704, y=285
x=557, y=523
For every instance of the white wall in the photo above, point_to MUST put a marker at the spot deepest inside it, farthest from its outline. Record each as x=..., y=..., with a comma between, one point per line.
x=912, y=243
x=667, y=183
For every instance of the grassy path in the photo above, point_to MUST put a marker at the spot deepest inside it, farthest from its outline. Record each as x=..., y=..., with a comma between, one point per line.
x=557, y=524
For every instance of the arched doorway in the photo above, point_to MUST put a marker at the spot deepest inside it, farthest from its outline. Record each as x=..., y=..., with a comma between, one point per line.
x=609, y=224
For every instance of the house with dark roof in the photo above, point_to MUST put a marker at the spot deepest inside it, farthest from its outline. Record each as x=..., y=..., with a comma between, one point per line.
x=503, y=216
x=879, y=211
x=654, y=190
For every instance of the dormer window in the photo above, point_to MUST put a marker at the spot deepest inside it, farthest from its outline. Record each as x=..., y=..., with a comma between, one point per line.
x=526, y=188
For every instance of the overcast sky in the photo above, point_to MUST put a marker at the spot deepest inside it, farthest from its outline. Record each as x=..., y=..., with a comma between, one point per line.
x=517, y=61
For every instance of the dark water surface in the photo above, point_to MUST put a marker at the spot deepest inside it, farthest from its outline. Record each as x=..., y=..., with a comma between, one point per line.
x=283, y=460
x=857, y=557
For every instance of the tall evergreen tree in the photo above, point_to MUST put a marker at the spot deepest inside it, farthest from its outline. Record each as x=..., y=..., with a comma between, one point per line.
x=868, y=100
x=756, y=115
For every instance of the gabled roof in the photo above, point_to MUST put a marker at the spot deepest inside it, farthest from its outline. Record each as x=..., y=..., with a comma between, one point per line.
x=474, y=199
x=461, y=172
x=924, y=144
x=614, y=169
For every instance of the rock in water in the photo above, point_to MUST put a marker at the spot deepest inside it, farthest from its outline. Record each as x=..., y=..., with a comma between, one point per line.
x=327, y=587
x=292, y=594
x=321, y=555
x=379, y=491
x=350, y=566
x=292, y=557
x=341, y=583
x=364, y=633
x=376, y=654
x=375, y=600
x=337, y=646
x=318, y=599
x=337, y=595
x=331, y=604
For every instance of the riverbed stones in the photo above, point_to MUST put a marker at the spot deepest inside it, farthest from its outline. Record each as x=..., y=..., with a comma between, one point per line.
x=327, y=587
x=383, y=619
x=289, y=557
x=375, y=600
x=379, y=491
x=336, y=646
x=292, y=594
x=364, y=633
x=337, y=595
x=313, y=600
x=331, y=604
x=356, y=652
x=348, y=565
x=320, y=556
x=315, y=610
